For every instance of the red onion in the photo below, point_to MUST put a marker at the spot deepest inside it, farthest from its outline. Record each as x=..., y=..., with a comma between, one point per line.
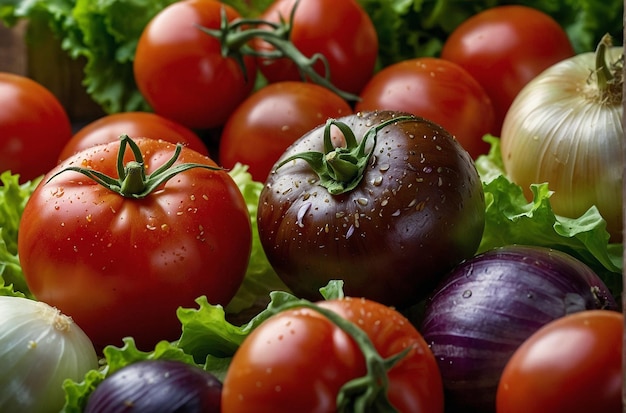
x=487, y=306
x=157, y=386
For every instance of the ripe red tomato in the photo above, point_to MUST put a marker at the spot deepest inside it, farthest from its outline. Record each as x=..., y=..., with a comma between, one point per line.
x=297, y=361
x=271, y=119
x=33, y=127
x=571, y=365
x=438, y=90
x=109, y=128
x=504, y=47
x=121, y=265
x=180, y=70
x=339, y=30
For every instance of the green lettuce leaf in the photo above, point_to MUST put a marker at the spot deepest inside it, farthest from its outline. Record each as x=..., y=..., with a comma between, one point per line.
x=102, y=32
x=13, y=198
x=260, y=279
x=512, y=219
x=207, y=340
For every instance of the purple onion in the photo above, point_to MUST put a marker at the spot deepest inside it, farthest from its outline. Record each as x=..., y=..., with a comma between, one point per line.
x=487, y=306
x=154, y=386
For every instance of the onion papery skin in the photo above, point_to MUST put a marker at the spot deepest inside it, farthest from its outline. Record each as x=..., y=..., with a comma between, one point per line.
x=559, y=131
x=39, y=348
x=153, y=386
x=489, y=305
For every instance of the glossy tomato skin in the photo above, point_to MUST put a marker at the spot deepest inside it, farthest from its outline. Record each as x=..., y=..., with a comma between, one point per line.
x=136, y=125
x=340, y=30
x=122, y=266
x=505, y=47
x=180, y=70
x=298, y=360
x=438, y=90
x=417, y=212
x=571, y=365
x=34, y=126
x=266, y=123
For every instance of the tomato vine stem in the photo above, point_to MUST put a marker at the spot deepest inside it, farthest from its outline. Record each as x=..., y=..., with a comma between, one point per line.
x=363, y=394
x=235, y=36
x=340, y=169
x=132, y=181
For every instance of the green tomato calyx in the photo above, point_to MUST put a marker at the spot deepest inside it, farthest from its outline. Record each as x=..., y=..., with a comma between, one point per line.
x=132, y=181
x=341, y=169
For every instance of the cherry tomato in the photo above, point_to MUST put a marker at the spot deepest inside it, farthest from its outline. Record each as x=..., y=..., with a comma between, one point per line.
x=271, y=119
x=438, y=90
x=109, y=128
x=412, y=209
x=571, y=365
x=339, y=30
x=504, y=47
x=180, y=70
x=33, y=127
x=297, y=360
x=121, y=263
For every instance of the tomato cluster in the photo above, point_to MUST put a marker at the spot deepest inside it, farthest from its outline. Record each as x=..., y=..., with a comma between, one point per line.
x=369, y=178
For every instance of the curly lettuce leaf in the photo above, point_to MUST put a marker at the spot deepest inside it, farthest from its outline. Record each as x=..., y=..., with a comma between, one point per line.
x=13, y=198
x=260, y=279
x=512, y=219
x=77, y=394
x=102, y=32
x=207, y=340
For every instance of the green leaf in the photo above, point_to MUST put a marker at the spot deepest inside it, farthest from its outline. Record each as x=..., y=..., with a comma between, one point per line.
x=512, y=219
x=77, y=393
x=13, y=198
x=260, y=278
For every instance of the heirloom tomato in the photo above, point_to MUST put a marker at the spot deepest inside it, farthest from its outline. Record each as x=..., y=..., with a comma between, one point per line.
x=110, y=128
x=438, y=90
x=504, y=47
x=120, y=252
x=181, y=71
x=271, y=119
x=570, y=365
x=340, y=31
x=385, y=201
x=34, y=127
x=301, y=360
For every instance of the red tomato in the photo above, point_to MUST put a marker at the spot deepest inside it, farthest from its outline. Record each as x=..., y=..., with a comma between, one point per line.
x=180, y=70
x=504, y=48
x=136, y=125
x=271, y=119
x=33, y=127
x=339, y=30
x=571, y=365
x=297, y=360
x=121, y=266
x=438, y=90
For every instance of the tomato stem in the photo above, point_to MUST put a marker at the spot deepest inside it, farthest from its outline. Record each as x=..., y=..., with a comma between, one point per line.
x=235, y=37
x=132, y=181
x=363, y=394
x=340, y=169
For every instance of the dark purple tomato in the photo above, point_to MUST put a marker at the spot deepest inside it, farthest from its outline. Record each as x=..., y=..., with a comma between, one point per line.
x=413, y=208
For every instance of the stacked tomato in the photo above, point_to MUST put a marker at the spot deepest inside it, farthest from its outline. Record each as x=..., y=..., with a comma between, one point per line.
x=388, y=187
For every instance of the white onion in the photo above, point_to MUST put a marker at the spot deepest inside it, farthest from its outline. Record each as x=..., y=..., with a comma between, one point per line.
x=39, y=348
x=565, y=129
